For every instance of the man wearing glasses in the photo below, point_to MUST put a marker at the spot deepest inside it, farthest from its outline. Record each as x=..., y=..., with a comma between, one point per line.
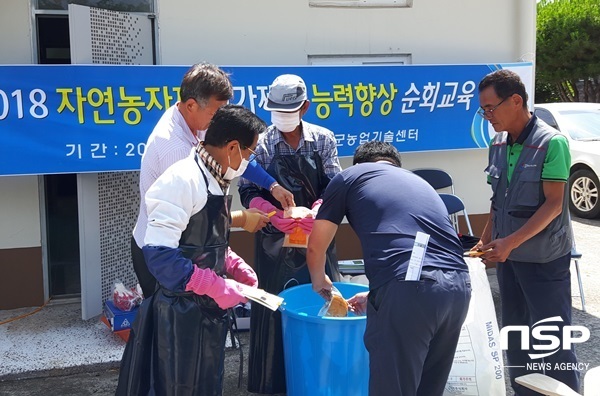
x=204, y=89
x=529, y=229
x=177, y=342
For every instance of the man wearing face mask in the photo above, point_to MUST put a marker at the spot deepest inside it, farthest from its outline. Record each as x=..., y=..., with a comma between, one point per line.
x=302, y=157
x=177, y=342
x=204, y=89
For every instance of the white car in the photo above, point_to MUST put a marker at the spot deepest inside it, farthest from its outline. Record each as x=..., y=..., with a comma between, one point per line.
x=580, y=123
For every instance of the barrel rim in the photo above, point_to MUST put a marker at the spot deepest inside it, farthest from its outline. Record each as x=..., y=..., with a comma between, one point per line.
x=320, y=319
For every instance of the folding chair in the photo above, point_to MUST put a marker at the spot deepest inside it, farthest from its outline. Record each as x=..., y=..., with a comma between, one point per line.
x=549, y=386
x=454, y=205
x=575, y=257
x=545, y=385
x=437, y=178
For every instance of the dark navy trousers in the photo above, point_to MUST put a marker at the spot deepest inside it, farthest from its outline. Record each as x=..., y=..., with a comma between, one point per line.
x=412, y=331
x=531, y=292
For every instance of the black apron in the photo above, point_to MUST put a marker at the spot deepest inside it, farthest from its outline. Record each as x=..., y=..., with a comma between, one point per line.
x=177, y=343
x=279, y=268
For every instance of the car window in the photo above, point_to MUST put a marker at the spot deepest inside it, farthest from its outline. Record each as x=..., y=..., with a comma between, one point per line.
x=582, y=124
x=545, y=116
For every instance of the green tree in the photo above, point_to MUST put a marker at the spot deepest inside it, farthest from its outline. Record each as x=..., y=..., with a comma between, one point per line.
x=568, y=50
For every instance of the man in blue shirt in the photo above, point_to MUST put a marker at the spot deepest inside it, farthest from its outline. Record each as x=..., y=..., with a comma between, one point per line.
x=412, y=326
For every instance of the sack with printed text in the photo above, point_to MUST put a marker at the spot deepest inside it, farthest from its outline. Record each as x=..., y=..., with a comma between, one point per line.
x=478, y=368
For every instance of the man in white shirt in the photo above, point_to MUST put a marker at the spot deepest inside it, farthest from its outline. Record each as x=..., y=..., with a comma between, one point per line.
x=177, y=342
x=204, y=89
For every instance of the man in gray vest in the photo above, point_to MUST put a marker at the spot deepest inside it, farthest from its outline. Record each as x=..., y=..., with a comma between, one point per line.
x=528, y=230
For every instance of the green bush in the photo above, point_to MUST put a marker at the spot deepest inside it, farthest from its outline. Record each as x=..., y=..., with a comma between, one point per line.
x=568, y=50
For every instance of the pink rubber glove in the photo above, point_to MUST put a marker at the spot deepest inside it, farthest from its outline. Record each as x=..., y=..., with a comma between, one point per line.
x=262, y=204
x=226, y=292
x=287, y=226
x=239, y=269
x=306, y=224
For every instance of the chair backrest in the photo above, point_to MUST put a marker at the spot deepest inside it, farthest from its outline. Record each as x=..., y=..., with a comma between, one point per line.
x=591, y=381
x=454, y=205
x=437, y=178
x=545, y=385
x=549, y=386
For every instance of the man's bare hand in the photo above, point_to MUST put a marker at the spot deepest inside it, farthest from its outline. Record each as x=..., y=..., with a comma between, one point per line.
x=500, y=250
x=285, y=198
x=358, y=303
x=322, y=285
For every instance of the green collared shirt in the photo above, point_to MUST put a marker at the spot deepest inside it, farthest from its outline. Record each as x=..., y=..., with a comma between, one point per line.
x=557, y=163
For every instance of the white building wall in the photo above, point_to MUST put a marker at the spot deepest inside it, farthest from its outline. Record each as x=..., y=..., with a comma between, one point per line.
x=19, y=198
x=276, y=32
x=15, y=30
x=19, y=212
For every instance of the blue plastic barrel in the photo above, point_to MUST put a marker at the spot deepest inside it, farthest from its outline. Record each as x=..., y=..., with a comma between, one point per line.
x=323, y=355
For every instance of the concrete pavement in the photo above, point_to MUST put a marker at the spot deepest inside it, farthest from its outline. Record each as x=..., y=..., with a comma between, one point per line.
x=587, y=238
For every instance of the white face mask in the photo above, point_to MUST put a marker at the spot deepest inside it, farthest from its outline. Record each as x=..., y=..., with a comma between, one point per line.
x=285, y=122
x=231, y=173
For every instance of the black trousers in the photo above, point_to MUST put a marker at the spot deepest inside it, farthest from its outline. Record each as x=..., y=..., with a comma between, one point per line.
x=531, y=292
x=146, y=279
x=412, y=332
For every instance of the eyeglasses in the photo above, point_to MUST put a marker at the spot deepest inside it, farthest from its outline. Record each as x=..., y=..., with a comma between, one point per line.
x=490, y=112
x=253, y=154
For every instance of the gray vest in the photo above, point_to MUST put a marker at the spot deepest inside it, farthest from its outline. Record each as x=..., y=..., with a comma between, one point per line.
x=513, y=204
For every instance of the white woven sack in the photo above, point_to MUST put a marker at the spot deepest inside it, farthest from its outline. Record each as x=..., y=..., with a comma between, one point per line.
x=478, y=367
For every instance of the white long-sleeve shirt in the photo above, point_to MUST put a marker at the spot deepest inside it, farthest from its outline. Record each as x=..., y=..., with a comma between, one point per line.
x=178, y=194
x=170, y=141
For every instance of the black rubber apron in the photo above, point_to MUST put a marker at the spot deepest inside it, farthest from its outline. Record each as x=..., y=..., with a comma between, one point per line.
x=279, y=268
x=177, y=342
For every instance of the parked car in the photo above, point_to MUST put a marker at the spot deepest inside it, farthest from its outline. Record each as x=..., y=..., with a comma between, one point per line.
x=580, y=123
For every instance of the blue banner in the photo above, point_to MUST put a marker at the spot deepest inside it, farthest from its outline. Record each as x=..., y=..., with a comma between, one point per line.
x=88, y=118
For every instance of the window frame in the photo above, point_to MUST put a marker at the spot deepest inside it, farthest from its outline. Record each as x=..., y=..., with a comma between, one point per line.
x=362, y=3
x=366, y=59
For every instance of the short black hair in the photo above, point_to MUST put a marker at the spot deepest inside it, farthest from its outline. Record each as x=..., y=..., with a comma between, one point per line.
x=505, y=83
x=374, y=151
x=203, y=81
x=233, y=122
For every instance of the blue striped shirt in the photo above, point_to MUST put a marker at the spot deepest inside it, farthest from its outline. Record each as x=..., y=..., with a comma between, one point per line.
x=313, y=138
